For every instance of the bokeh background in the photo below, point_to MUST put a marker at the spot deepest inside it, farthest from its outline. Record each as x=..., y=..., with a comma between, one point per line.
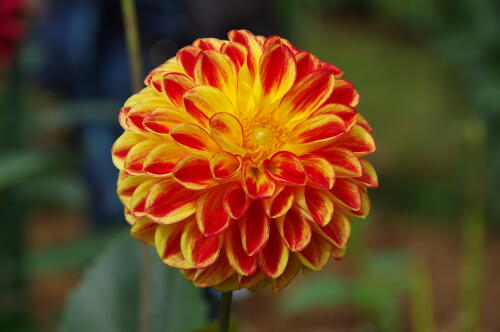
x=428, y=73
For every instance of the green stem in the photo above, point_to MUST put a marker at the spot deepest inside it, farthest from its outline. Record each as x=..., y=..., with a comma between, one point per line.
x=225, y=311
x=134, y=54
x=133, y=45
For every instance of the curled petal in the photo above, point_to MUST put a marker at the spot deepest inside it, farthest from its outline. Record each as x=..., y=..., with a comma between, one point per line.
x=160, y=120
x=361, y=121
x=175, y=85
x=318, y=170
x=306, y=96
x=201, y=102
x=193, y=137
x=295, y=230
x=337, y=231
x=347, y=113
x=318, y=204
x=193, y=172
x=212, y=275
x=187, y=58
x=122, y=146
x=134, y=163
x=334, y=69
x=227, y=132
x=316, y=254
x=291, y=270
x=218, y=70
x=210, y=214
x=364, y=210
x=138, y=112
x=286, y=167
x=126, y=187
x=344, y=162
x=236, y=51
x=358, y=140
x=162, y=159
x=347, y=194
x=369, y=176
x=138, y=200
x=277, y=71
x=254, y=228
x=344, y=93
x=242, y=263
x=224, y=165
x=279, y=203
x=168, y=245
x=169, y=202
x=235, y=200
x=257, y=183
x=271, y=41
x=144, y=230
x=338, y=253
x=318, y=128
x=274, y=257
x=201, y=251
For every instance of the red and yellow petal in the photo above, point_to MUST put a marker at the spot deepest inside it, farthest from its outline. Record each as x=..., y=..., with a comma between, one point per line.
x=138, y=199
x=316, y=203
x=160, y=120
x=316, y=254
x=174, y=85
x=193, y=172
x=169, y=202
x=277, y=72
x=227, y=132
x=285, y=167
x=306, y=96
x=134, y=162
x=368, y=176
x=254, y=49
x=211, y=216
x=199, y=250
x=186, y=57
x=357, y=140
x=168, y=245
x=344, y=162
x=274, y=256
x=193, y=137
x=201, y=102
x=347, y=113
x=254, y=228
x=318, y=128
x=318, y=170
x=225, y=165
x=242, y=263
x=237, y=52
x=337, y=231
x=306, y=63
x=122, y=146
x=144, y=230
x=162, y=159
x=279, y=204
x=344, y=93
x=256, y=182
x=212, y=275
x=291, y=270
x=346, y=193
x=218, y=70
x=295, y=230
x=364, y=210
x=235, y=200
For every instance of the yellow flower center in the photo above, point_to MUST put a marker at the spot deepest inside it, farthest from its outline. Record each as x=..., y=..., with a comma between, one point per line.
x=262, y=138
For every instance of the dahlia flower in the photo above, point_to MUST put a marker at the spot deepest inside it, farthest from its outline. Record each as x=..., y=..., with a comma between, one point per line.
x=241, y=162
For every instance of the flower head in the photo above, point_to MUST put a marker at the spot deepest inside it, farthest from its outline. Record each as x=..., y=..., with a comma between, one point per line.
x=241, y=161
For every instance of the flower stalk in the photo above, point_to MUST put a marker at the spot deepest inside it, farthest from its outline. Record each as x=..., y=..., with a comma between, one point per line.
x=134, y=53
x=225, y=311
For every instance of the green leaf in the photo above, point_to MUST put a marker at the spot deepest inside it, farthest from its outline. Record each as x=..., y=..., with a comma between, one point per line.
x=107, y=299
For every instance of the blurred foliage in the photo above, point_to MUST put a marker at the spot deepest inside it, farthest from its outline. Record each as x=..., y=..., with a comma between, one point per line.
x=107, y=299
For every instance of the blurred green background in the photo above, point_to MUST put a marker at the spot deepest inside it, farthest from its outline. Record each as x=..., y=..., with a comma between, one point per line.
x=428, y=73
